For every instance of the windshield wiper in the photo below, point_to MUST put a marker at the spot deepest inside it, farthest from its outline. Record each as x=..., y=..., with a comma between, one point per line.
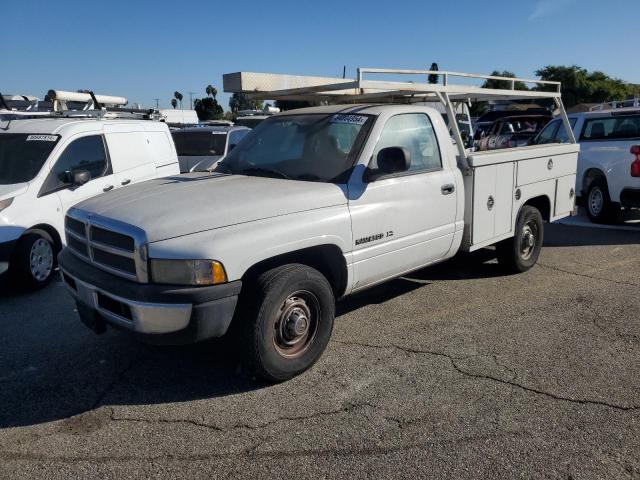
x=265, y=170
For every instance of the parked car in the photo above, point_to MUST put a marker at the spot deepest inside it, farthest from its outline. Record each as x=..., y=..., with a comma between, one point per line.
x=49, y=164
x=514, y=131
x=608, y=175
x=199, y=148
x=483, y=123
x=313, y=205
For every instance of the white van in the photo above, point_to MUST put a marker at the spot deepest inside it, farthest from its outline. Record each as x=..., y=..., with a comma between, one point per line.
x=49, y=164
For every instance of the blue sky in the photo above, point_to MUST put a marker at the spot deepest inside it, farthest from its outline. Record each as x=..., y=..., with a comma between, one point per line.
x=146, y=49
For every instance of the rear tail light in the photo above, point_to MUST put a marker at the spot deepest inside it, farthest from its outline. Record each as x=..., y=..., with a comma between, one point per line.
x=635, y=165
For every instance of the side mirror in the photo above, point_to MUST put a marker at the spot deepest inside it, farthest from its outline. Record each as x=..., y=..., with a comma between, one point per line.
x=390, y=160
x=80, y=177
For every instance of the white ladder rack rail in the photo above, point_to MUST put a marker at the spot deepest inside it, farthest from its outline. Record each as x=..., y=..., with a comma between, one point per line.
x=360, y=90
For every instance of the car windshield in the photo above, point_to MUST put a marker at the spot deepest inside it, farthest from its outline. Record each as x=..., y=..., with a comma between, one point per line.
x=313, y=147
x=22, y=155
x=202, y=143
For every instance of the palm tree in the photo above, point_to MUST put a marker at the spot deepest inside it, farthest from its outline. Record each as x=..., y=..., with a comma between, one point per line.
x=211, y=91
x=178, y=96
x=174, y=103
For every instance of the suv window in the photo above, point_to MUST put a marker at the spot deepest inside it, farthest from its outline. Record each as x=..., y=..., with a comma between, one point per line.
x=548, y=133
x=414, y=132
x=611, y=128
x=86, y=153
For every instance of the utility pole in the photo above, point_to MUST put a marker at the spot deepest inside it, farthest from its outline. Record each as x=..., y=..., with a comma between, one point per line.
x=157, y=103
x=191, y=99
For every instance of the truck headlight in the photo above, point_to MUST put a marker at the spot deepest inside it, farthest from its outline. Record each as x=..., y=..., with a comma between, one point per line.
x=5, y=203
x=187, y=272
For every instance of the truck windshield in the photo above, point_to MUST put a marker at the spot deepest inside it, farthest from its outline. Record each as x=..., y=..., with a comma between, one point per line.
x=312, y=147
x=22, y=155
x=203, y=143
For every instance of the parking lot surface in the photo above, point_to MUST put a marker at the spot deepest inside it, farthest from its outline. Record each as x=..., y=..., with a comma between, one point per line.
x=456, y=371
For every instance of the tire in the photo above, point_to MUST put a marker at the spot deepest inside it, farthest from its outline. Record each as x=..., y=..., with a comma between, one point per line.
x=519, y=253
x=34, y=260
x=598, y=203
x=286, y=321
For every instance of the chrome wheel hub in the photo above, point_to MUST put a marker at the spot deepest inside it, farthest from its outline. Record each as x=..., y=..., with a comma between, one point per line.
x=596, y=201
x=41, y=259
x=528, y=240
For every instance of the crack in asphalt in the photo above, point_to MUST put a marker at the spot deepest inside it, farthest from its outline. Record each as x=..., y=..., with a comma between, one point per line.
x=347, y=408
x=593, y=277
x=452, y=360
x=112, y=385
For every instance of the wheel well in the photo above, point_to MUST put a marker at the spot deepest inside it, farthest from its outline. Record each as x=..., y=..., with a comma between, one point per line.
x=589, y=176
x=543, y=204
x=327, y=259
x=52, y=232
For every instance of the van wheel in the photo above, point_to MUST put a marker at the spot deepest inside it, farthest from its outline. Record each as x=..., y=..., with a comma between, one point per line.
x=520, y=253
x=34, y=260
x=287, y=321
x=600, y=209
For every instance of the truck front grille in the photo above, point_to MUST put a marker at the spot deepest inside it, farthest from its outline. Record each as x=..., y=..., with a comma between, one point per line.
x=113, y=246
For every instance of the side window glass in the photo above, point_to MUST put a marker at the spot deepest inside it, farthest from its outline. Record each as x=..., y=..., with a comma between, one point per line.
x=548, y=133
x=561, y=136
x=414, y=132
x=86, y=153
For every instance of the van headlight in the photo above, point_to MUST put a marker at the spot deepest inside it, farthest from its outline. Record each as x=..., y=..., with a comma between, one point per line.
x=5, y=203
x=187, y=272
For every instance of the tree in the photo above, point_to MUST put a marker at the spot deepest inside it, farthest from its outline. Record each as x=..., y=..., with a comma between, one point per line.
x=178, y=96
x=239, y=101
x=433, y=78
x=581, y=86
x=503, y=84
x=174, y=103
x=208, y=108
x=211, y=91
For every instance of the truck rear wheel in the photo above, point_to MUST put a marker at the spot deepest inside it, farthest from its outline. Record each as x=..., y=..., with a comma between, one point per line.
x=600, y=209
x=34, y=259
x=520, y=253
x=287, y=321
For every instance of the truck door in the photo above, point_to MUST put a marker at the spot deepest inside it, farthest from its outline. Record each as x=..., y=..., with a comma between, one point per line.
x=404, y=221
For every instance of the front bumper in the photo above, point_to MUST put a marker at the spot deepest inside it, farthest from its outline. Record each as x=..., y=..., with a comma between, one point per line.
x=6, y=252
x=164, y=314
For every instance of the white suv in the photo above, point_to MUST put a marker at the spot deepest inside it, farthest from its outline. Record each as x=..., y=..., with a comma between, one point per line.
x=608, y=174
x=49, y=164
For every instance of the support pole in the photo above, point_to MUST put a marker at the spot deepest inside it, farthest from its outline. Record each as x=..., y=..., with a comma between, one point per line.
x=453, y=124
x=565, y=119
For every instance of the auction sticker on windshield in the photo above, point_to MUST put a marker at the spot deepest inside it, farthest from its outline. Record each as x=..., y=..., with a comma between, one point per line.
x=42, y=138
x=349, y=119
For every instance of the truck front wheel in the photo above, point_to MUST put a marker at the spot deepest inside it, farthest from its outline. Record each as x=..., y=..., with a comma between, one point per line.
x=287, y=321
x=520, y=253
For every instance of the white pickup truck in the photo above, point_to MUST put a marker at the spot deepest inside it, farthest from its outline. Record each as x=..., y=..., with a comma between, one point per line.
x=311, y=206
x=49, y=163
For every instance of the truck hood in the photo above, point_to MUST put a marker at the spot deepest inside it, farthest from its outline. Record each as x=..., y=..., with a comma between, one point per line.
x=10, y=191
x=184, y=204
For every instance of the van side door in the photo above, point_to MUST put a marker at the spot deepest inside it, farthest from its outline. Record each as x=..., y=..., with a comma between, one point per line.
x=403, y=221
x=130, y=154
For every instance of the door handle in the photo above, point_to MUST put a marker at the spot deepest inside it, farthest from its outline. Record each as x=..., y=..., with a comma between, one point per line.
x=125, y=182
x=448, y=188
x=107, y=188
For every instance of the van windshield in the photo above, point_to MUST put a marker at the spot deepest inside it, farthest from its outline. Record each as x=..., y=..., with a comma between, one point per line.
x=196, y=144
x=22, y=155
x=311, y=147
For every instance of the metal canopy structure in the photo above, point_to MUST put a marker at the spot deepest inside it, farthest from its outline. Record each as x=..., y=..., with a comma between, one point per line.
x=360, y=90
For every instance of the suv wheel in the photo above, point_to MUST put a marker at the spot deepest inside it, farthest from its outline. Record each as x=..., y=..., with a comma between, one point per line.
x=600, y=209
x=520, y=253
x=34, y=259
x=288, y=321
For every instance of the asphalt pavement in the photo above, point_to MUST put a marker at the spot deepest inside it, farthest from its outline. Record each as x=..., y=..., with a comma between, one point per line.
x=455, y=371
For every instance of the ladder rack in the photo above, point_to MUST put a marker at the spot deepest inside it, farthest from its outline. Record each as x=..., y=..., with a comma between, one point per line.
x=360, y=90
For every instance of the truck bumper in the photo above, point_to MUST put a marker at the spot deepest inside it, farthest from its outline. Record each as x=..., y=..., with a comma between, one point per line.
x=6, y=252
x=162, y=314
